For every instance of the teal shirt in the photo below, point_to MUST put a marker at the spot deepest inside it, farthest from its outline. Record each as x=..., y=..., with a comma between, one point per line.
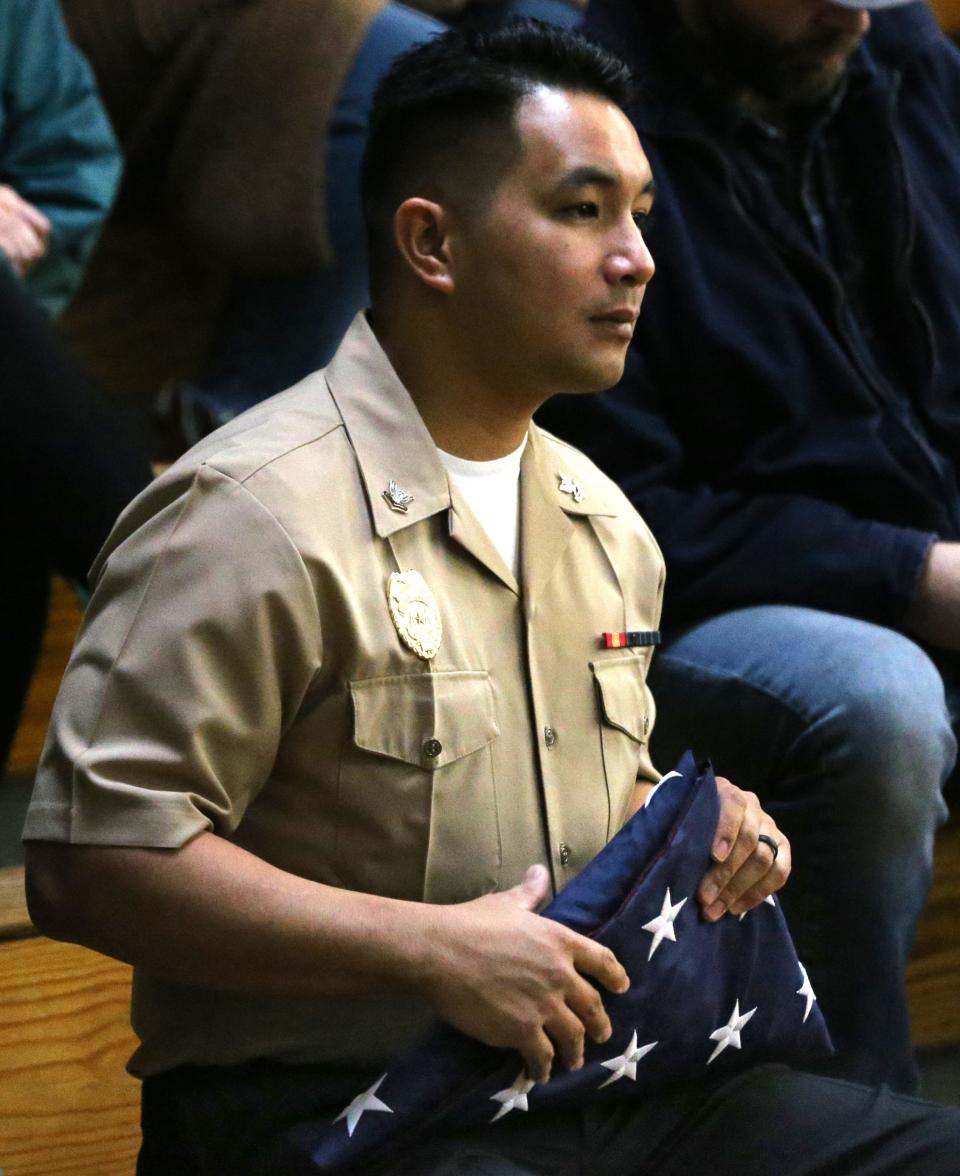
x=57, y=149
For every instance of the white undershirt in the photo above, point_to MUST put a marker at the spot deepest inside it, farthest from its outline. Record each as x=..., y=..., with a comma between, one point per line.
x=492, y=491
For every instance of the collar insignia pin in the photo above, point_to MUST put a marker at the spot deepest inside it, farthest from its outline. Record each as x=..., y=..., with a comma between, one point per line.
x=569, y=486
x=396, y=497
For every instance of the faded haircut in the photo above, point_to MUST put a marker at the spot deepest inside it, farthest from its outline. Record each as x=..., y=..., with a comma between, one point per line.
x=442, y=120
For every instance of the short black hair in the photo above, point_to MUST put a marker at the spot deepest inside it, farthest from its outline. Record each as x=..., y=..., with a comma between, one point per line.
x=435, y=100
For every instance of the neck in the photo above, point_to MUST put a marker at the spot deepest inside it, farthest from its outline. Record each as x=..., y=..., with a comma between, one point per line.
x=467, y=414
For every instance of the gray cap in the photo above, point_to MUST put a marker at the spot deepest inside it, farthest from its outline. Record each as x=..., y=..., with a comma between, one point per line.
x=872, y=4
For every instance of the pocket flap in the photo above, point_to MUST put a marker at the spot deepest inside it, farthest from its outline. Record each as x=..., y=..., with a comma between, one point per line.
x=425, y=719
x=623, y=695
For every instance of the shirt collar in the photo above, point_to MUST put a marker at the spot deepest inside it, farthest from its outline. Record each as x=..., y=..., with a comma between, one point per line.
x=392, y=443
x=544, y=463
x=386, y=431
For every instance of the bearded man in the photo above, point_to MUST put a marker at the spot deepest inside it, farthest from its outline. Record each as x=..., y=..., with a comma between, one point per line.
x=789, y=425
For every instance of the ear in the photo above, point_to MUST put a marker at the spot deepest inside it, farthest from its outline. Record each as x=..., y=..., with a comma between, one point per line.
x=420, y=230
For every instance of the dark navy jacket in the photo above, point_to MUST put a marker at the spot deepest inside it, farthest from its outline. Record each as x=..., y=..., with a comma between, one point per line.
x=772, y=459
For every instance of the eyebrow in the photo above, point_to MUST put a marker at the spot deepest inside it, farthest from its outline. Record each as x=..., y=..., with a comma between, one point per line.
x=581, y=177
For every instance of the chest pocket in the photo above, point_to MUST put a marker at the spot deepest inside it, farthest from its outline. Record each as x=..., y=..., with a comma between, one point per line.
x=626, y=712
x=417, y=811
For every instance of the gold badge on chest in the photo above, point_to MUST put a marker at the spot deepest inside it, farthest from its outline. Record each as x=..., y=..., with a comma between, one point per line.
x=414, y=612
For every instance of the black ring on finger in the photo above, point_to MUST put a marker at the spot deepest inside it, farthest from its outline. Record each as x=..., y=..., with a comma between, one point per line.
x=768, y=840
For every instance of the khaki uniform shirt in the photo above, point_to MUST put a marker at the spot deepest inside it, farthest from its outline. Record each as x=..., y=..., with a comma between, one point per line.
x=239, y=671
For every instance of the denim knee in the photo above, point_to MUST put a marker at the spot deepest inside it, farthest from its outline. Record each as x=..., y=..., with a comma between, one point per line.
x=890, y=726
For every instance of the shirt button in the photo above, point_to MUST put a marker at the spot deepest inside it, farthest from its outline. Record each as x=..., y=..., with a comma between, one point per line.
x=564, y=853
x=549, y=736
x=432, y=748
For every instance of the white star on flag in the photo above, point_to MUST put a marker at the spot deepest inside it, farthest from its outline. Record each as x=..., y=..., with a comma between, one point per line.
x=768, y=900
x=729, y=1034
x=367, y=1101
x=661, y=781
x=662, y=926
x=806, y=989
x=514, y=1098
x=626, y=1064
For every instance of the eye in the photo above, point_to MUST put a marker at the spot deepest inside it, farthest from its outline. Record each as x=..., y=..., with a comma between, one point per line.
x=585, y=210
x=642, y=218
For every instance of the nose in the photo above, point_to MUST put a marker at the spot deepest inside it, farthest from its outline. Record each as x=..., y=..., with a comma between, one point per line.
x=629, y=262
x=853, y=21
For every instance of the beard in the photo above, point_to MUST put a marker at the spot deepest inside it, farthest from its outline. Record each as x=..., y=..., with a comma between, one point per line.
x=801, y=73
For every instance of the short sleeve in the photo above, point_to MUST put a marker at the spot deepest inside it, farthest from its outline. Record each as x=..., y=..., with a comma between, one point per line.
x=200, y=642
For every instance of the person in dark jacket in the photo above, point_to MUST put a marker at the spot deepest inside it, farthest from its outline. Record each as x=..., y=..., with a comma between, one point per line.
x=789, y=425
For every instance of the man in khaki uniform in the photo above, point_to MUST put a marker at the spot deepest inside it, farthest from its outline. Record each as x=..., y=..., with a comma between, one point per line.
x=248, y=679
x=327, y=709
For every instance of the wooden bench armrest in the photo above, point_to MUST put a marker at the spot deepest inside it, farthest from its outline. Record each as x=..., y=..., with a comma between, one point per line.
x=14, y=920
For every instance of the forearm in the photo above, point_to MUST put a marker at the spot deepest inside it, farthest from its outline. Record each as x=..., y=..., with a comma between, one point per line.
x=212, y=915
x=934, y=614
x=726, y=551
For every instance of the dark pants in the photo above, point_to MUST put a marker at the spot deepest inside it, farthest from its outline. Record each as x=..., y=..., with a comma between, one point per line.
x=68, y=465
x=770, y=1121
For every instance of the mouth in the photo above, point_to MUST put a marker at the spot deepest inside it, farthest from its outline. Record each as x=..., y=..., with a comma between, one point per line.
x=617, y=323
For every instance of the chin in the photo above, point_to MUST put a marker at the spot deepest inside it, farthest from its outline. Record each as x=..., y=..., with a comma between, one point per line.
x=611, y=372
x=594, y=380
x=813, y=84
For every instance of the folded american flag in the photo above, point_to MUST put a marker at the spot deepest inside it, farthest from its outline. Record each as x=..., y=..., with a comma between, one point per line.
x=704, y=998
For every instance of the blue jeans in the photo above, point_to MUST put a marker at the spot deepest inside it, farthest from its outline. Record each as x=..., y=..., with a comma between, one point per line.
x=274, y=331
x=843, y=730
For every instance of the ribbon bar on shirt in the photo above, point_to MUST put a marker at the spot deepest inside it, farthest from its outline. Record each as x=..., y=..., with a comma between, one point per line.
x=626, y=640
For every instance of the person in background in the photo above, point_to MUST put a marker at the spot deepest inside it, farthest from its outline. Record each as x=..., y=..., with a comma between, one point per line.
x=59, y=160
x=244, y=123
x=789, y=425
x=69, y=460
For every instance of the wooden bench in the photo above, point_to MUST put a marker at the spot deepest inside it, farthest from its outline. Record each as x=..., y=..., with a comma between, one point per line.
x=933, y=975
x=67, y=1105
